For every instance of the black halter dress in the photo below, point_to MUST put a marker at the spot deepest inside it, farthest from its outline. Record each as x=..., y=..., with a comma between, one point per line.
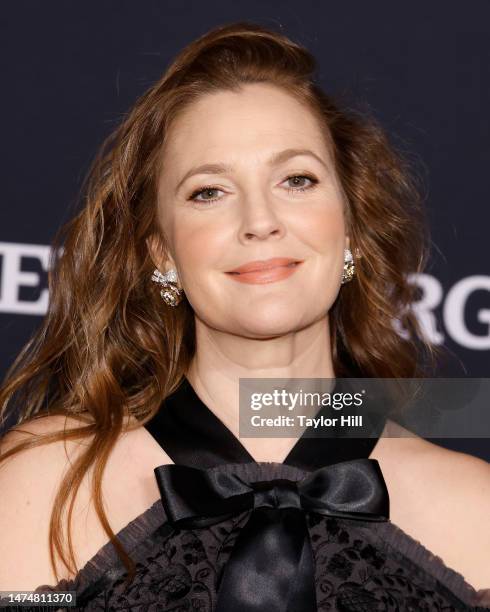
x=230, y=534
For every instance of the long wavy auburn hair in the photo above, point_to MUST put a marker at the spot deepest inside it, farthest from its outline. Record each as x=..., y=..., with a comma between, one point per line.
x=109, y=348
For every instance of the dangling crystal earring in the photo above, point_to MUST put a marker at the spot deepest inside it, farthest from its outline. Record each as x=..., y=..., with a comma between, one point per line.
x=171, y=294
x=349, y=267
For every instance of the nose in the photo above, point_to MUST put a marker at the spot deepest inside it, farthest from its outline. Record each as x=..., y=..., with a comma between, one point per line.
x=259, y=219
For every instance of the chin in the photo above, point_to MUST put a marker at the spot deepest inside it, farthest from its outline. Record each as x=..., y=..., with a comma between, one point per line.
x=265, y=327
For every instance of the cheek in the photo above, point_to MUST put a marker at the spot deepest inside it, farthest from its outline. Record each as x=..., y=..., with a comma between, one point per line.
x=200, y=246
x=323, y=229
x=202, y=251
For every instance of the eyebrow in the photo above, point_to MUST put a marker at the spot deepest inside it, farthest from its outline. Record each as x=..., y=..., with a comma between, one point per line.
x=276, y=159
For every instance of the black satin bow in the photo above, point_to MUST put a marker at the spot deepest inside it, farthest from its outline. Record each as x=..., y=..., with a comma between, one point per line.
x=271, y=566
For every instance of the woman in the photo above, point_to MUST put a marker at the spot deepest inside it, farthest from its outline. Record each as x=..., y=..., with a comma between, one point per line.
x=234, y=156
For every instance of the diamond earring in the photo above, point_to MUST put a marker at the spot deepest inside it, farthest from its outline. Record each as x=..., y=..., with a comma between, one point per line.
x=170, y=292
x=349, y=267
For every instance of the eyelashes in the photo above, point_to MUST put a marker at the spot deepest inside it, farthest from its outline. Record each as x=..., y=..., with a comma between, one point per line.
x=209, y=188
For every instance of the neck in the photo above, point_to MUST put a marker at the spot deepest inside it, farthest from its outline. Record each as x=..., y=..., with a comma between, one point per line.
x=222, y=359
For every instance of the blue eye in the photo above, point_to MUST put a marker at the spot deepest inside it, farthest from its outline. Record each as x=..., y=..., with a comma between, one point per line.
x=209, y=189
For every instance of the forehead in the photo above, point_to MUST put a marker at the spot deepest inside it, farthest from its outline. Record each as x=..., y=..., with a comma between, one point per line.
x=229, y=125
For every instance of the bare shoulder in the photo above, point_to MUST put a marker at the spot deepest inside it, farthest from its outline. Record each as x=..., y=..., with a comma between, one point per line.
x=30, y=479
x=441, y=498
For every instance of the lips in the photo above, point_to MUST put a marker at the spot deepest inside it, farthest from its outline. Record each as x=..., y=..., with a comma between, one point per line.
x=265, y=264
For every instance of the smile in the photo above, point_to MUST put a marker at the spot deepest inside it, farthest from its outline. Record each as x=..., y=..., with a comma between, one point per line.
x=267, y=275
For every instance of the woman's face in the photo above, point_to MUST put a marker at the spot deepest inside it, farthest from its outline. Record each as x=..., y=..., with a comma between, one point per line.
x=247, y=205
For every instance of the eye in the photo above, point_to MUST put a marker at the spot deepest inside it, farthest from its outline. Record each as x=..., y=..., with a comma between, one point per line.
x=207, y=189
x=301, y=187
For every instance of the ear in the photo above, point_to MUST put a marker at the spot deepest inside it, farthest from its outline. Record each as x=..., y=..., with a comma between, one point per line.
x=158, y=254
x=357, y=253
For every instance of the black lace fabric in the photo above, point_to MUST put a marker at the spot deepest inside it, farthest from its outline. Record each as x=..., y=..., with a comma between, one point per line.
x=360, y=566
